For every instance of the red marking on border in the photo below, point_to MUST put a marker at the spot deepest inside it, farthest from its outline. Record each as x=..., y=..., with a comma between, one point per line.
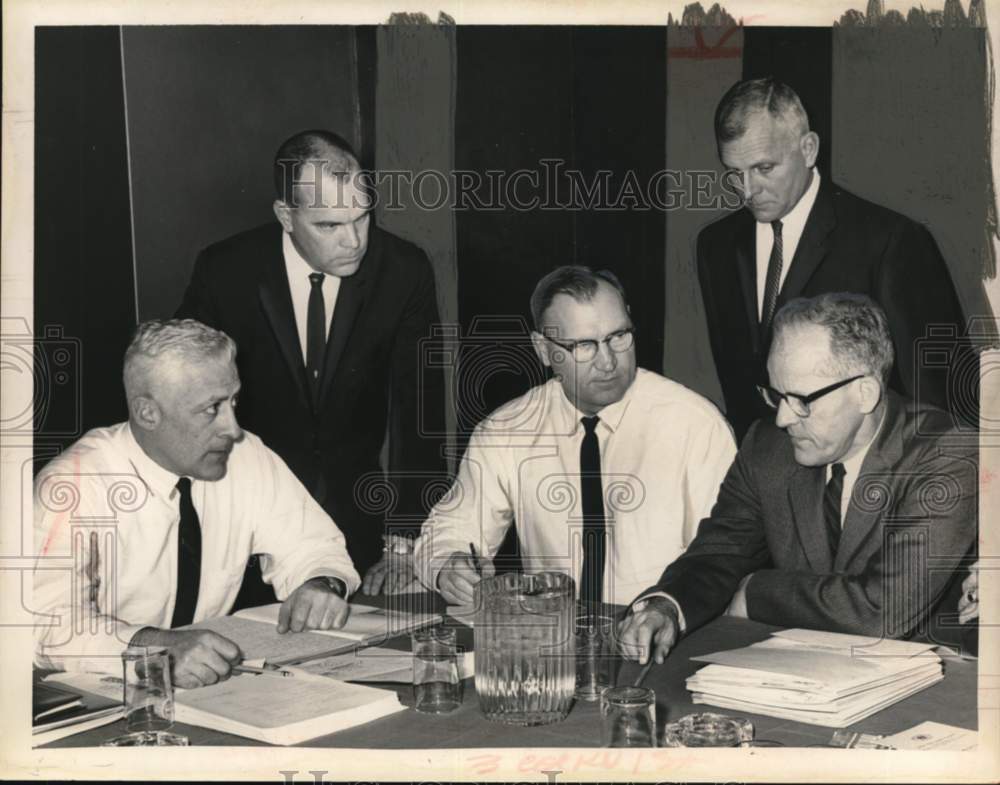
x=702, y=51
x=986, y=477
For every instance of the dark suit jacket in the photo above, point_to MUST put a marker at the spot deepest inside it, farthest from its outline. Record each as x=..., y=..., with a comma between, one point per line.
x=374, y=382
x=848, y=244
x=910, y=522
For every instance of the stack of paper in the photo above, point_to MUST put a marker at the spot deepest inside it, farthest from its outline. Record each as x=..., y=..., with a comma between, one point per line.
x=283, y=709
x=820, y=678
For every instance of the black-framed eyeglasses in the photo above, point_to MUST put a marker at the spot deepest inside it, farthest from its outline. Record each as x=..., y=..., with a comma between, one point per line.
x=800, y=403
x=586, y=350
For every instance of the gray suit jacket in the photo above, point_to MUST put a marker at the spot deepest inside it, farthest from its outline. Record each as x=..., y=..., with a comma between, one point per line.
x=911, y=519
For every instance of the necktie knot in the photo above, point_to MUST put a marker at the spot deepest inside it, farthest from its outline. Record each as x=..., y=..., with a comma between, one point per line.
x=316, y=279
x=776, y=226
x=590, y=424
x=184, y=487
x=837, y=471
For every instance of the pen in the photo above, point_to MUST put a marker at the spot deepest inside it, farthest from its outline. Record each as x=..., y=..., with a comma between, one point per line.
x=475, y=560
x=257, y=671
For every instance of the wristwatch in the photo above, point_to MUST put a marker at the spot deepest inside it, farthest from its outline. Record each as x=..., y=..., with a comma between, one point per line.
x=338, y=586
x=393, y=543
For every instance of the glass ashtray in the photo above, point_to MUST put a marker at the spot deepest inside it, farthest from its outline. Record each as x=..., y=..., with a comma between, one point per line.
x=159, y=738
x=708, y=730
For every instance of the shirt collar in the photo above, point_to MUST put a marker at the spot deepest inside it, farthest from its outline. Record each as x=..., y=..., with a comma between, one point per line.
x=160, y=481
x=852, y=466
x=611, y=415
x=794, y=223
x=296, y=267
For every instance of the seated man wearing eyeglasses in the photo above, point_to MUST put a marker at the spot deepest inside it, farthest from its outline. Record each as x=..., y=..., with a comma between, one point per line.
x=848, y=512
x=606, y=469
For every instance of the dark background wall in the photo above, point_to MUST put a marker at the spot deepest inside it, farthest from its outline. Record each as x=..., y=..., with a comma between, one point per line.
x=207, y=108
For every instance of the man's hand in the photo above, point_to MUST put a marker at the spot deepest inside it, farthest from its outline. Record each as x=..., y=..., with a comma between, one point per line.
x=313, y=606
x=654, y=628
x=394, y=574
x=968, y=606
x=738, y=605
x=458, y=577
x=197, y=657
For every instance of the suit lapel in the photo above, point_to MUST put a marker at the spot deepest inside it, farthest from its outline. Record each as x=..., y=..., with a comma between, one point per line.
x=276, y=303
x=805, y=494
x=873, y=487
x=350, y=299
x=746, y=253
x=813, y=245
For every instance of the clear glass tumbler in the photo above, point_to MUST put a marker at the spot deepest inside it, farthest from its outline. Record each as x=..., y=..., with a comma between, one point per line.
x=148, y=700
x=437, y=688
x=628, y=717
x=596, y=658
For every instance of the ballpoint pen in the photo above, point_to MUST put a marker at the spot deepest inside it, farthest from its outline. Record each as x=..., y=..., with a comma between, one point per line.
x=475, y=560
x=258, y=671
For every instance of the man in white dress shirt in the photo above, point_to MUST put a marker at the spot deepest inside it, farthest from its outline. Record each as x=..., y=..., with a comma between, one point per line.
x=606, y=469
x=164, y=511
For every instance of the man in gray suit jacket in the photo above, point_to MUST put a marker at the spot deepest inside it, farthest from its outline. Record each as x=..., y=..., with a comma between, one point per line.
x=848, y=512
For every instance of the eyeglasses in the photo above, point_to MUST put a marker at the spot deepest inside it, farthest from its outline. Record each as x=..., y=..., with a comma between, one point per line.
x=586, y=350
x=800, y=403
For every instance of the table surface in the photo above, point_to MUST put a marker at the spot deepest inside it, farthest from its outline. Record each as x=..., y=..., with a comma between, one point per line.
x=952, y=701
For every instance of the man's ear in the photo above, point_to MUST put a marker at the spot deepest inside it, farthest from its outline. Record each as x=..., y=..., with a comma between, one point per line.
x=145, y=412
x=870, y=390
x=541, y=348
x=809, y=145
x=284, y=214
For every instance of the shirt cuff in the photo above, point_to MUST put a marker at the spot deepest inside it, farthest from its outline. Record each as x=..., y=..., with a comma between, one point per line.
x=641, y=603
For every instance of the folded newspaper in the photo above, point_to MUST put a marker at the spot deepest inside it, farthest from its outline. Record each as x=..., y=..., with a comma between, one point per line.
x=819, y=678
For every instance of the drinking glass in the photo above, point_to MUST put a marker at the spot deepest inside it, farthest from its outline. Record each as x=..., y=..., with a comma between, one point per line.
x=628, y=717
x=436, y=686
x=148, y=699
x=596, y=660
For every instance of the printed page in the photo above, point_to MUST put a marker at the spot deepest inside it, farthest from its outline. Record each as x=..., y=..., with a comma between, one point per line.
x=257, y=640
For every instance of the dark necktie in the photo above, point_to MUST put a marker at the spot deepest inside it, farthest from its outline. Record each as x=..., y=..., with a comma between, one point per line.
x=592, y=505
x=188, y=557
x=315, y=334
x=831, y=505
x=772, y=282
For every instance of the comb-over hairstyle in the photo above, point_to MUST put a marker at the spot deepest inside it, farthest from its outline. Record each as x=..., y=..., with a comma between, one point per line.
x=577, y=281
x=328, y=152
x=860, y=341
x=746, y=98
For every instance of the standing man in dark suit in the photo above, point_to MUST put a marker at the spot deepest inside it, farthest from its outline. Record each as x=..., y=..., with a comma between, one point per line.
x=328, y=312
x=847, y=512
x=801, y=235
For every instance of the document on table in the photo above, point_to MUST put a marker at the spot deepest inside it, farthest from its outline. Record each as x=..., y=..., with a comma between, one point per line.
x=376, y=664
x=263, y=641
x=934, y=736
x=365, y=623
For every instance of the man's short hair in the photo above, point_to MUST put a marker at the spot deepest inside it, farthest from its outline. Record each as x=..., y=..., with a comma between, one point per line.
x=162, y=341
x=754, y=95
x=577, y=281
x=858, y=328
x=330, y=153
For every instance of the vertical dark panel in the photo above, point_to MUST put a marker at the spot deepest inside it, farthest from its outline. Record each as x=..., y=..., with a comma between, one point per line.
x=207, y=108
x=801, y=57
x=513, y=108
x=619, y=124
x=84, y=286
x=367, y=61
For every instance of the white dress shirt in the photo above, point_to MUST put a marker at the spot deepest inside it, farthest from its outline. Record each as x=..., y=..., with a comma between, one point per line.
x=664, y=452
x=298, y=271
x=792, y=226
x=104, y=491
x=852, y=469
